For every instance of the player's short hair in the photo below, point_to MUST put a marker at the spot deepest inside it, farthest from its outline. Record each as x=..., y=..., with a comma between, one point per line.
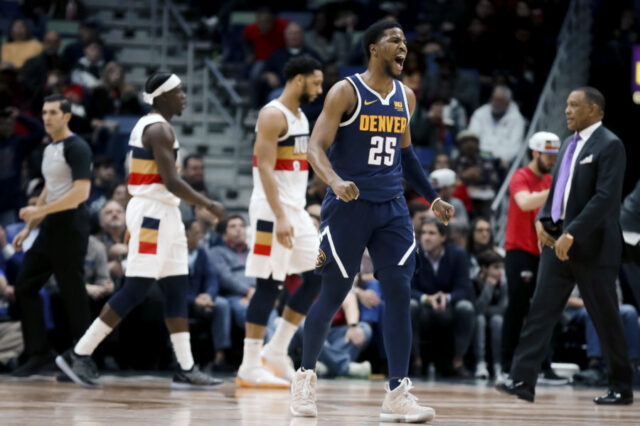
x=65, y=105
x=303, y=64
x=156, y=81
x=373, y=34
x=593, y=95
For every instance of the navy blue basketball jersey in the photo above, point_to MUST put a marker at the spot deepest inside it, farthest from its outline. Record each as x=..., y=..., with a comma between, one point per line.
x=366, y=149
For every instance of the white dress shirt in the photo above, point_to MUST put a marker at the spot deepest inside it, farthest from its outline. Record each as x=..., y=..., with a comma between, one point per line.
x=585, y=134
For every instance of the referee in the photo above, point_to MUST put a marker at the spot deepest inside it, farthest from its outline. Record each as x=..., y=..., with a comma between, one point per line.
x=62, y=242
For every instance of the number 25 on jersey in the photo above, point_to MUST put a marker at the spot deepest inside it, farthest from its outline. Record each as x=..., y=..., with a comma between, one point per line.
x=382, y=150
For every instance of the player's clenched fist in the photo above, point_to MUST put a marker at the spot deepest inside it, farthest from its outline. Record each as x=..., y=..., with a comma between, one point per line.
x=346, y=190
x=443, y=210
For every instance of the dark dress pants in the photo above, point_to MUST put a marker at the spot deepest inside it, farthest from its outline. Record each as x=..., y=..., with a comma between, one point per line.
x=59, y=249
x=553, y=288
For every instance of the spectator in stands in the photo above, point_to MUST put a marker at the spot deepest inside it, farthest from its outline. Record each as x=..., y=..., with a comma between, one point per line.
x=193, y=173
x=209, y=227
x=499, y=126
x=347, y=338
x=11, y=89
x=459, y=234
x=203, y=299
x=11, y=343
x=229, y=261
x=120, y=194
x=332, y=46
x=262, y=38
x=294, y=46
x=14, y=148
x=430, y=129
x=87, y=30
x=113, y=96
x=480, y=240
x=464, y=84
x=478, y=171
x=104, y=178
x=20, y=46
x=444, y=181
x=113, y=225
x=441, y=295
x=418, y=211
x=35, y=70
x=629, y=315
x=491, y=302
x=87, y=72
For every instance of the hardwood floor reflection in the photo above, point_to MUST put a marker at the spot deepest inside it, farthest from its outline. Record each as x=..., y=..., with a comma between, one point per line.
x=149, y=400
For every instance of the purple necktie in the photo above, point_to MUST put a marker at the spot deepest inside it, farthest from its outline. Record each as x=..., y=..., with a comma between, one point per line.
x=563, y=177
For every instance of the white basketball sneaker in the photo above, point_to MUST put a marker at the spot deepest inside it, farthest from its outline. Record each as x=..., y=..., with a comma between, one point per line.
x=280, y=364
x=401, y=406
x=303, y=394
x=259, y=377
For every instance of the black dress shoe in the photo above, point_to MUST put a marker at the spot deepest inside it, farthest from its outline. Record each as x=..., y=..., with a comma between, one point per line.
x=522, y=390
x=615, y=398
x=33, y=365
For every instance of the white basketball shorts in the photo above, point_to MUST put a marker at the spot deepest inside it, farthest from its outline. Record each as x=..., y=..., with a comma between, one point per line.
x=158, y=244
x=267, y=256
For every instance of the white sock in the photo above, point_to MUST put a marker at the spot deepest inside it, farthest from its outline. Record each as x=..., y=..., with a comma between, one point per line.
x=182, y=348
x=251, y=354
x=91, y=338
x=279, y=343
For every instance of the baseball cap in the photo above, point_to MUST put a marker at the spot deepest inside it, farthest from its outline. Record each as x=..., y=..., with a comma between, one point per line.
x=545, y=142
x=442, y=177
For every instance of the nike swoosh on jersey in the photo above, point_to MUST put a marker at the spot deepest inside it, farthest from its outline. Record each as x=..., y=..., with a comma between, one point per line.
x=370, y=102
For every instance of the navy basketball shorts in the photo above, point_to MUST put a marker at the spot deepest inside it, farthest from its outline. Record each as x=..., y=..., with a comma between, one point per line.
x=347, y=228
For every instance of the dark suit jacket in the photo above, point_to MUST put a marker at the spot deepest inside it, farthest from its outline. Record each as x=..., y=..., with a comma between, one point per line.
x=452, y=277
x=593, y=208
x=202, y=278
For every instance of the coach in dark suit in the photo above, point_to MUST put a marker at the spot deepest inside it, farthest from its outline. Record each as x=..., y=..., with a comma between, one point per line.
x=579, y=228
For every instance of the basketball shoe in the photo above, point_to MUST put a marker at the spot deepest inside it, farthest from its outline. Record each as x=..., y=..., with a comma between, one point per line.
x=81, y=369
x=259, y=377
x=303, y=394
x=400, y=405
x=194, y=379
x=279, y=363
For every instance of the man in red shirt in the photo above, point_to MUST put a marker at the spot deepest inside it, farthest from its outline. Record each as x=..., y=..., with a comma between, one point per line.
x=261, y=39
x=529, y=188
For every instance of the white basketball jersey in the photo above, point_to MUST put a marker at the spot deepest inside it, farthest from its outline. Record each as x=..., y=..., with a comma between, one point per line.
x=292, y=168
x=144, y=179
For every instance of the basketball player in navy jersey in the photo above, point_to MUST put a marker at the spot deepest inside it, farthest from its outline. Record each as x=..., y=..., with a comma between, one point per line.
x=364, y=125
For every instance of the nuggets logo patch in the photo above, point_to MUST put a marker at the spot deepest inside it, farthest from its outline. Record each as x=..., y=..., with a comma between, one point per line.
x=398, y=106
x=321, y=258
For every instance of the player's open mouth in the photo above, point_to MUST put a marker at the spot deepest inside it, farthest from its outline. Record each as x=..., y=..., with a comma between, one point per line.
x=399, y=60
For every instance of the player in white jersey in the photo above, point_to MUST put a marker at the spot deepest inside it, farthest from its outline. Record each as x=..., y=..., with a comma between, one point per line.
x=280, y=176
x=158, y=245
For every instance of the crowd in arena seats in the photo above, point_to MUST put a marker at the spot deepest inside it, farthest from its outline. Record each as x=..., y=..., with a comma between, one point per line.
x=476, y=67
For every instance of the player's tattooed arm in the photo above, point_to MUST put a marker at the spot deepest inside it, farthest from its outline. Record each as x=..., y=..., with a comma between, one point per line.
x=341, y=99
x=159, y=137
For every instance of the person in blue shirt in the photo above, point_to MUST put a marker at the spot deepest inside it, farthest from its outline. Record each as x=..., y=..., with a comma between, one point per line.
x=202, y=297
x=361, y=147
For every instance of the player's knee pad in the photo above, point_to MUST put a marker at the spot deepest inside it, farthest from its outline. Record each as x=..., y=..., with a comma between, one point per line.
x=262, y=301
x=133, y=292
x=175, y=296
x=302, y=299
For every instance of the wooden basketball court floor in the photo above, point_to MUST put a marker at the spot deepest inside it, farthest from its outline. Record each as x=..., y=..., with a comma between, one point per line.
x=140, y=400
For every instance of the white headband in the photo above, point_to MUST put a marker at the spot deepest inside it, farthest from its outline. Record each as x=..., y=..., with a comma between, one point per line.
x=170, y=84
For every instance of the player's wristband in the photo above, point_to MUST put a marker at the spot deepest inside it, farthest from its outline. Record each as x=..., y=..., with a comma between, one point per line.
x=353, y=324
x=433, y=203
